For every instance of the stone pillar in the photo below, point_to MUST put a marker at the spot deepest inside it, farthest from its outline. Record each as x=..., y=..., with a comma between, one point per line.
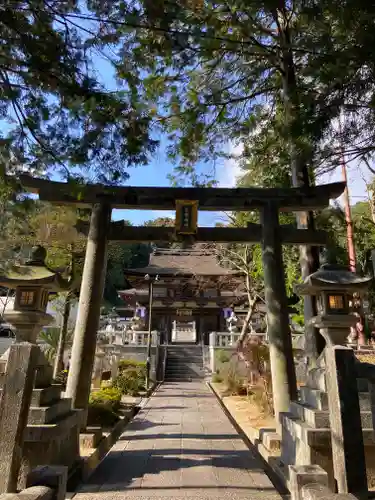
x=84, y=343
x=212, y=345
x=98, y=368
x=59, y=361
x=14, y=411
x=280, y=340
x=349, y=463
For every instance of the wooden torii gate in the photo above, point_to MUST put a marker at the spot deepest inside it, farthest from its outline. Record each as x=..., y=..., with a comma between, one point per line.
x=102, y=199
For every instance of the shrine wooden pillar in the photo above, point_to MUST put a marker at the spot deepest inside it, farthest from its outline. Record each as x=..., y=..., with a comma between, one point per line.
x=283, y=374
x=90, y=300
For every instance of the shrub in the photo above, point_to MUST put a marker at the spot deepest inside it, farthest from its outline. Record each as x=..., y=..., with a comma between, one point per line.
x=255, y=354
x=124, y=364
x=222, y=356
x=131, y=380
x=104, y=406
x=62, y=378
x=216, y=378
x=261, y=394
x=235, y=383
x=236, y=386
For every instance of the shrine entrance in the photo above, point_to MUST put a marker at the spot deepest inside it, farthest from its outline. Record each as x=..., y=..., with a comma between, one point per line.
x=184, y=332
x=186, y=202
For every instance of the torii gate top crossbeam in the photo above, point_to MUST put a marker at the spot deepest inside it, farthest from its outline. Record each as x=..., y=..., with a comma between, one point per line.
x=164, y=198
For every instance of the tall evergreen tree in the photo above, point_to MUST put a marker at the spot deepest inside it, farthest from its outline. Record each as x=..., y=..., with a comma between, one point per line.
x=59, y=112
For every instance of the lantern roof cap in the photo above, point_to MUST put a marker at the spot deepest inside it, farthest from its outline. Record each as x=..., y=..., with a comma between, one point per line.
x=333, y=277
x=34, y=272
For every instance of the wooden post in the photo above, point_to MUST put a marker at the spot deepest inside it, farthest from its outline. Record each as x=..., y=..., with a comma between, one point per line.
x=84, y=342
x=348, y=453
x=284, y=385
x=14, y=411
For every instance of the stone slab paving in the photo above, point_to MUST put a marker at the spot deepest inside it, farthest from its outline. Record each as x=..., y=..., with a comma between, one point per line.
x=180, y=445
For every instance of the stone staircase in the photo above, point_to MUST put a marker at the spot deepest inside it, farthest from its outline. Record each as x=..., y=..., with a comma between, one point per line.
x=184, y=363
x=52, y=432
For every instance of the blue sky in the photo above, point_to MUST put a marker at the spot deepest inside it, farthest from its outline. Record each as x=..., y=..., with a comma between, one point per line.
x=156, y=172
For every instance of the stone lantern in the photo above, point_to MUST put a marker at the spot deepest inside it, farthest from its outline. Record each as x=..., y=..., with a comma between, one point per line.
x=52, y=433
x=309, y=431
x=334, y=286
x=33, y=282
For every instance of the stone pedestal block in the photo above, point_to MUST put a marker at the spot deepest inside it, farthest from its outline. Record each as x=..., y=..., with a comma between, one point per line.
x=306, y=434
x=54, y=477
x=91, y=437
x=303, y=475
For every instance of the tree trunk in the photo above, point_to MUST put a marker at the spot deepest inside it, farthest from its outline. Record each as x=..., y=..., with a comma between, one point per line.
x=58, y=366
x=309, y=256
x=5, y=303
x=249, y=314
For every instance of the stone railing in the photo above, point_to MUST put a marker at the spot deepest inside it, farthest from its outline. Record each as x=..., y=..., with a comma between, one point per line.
x=221, y=340
x=224, y=339
x=128, y=338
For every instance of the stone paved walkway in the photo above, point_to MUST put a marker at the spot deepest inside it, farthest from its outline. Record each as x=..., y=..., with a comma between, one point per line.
x=180, y=445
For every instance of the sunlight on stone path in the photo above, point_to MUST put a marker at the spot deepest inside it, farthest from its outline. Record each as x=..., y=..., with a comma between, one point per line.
x=180, y=445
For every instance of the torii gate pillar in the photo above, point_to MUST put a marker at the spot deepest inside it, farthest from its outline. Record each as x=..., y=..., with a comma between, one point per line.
x=284, y=386
x=92, y=286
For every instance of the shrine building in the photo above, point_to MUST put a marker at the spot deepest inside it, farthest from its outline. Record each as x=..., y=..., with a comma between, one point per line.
x=191, y=293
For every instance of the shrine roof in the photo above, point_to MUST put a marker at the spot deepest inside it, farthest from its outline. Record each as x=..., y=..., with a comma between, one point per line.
x=178, y=262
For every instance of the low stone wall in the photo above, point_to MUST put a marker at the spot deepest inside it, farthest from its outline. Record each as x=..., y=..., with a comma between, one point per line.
x=219, y=358
x=107, y=364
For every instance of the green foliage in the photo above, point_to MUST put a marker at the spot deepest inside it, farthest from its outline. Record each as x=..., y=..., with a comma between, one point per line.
x=256, y=357
x=161, y=222
x=217, y=378
x=131, y=363
x=104, y=406
x=132, y=377
x=50, y=337
x=235, y=384
x=222, y=356
x=62, y=378
x=13, y=224
x=164, y=222
x=108, y=395
x=59, y=113
x=364, y=235
x=273, y=75
x=298, y=319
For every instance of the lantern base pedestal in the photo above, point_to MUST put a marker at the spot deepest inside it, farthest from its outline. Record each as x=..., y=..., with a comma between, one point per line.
x=335, y=329
x=28, y=324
